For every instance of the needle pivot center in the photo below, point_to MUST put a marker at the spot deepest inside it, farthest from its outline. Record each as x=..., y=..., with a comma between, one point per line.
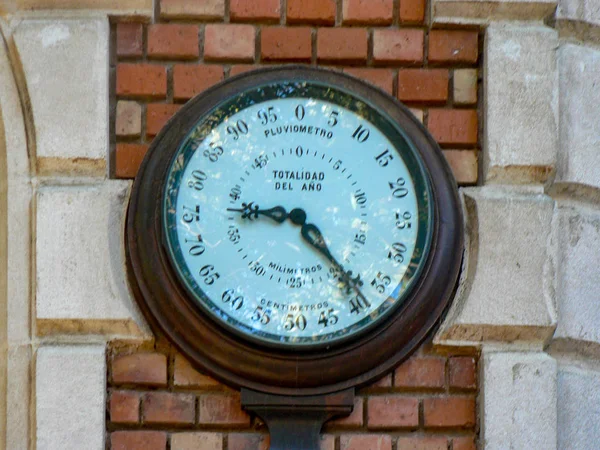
x=297, y=216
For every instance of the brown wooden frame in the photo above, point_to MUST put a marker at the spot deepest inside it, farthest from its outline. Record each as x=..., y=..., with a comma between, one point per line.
x=241, y=363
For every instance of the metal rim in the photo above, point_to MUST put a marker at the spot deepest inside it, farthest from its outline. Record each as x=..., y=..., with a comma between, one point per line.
x=240, y=363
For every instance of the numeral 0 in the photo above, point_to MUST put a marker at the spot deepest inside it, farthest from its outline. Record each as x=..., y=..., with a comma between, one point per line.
x=299, y=112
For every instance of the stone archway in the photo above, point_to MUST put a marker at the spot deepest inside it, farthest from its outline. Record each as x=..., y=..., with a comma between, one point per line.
x=15, y=261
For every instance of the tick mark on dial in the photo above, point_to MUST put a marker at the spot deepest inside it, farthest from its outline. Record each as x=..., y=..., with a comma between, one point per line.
x=279, y=280
x=343, y=170
x=323, y=156
x=247, y=173
x=348, y=177
x=353, y=183
x=245, y=256
x=330, y=159
x=242, y=179
x=274, y=155
x=239, y=250
x=271, y=277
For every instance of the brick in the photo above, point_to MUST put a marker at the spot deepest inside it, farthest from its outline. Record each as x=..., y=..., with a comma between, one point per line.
x=222, y=409
x=254, y=10
x=186, y=376
x=138, y=440
x=189, y=80
x=124, y=407
x=342, y=45
x=367, y=12
x=128, y=158
x=241, y=68
x=229, y=42
x=464, y=165
x=384, y=382
x=382, y=78
x=157, y=115
x=396, y=46
x=248, y=441
x=453, y=46
x=168, y=408
x=286, y=44
x=321, y=12
x=465, y=86
x=355, y=419
x=196, y=441
x=453, y=126
x=422, y=443
x=449, y=412
x=173, y=41
x=462, y=372
x=389, y=411
x=464, y=443
x=412, y=11
x=148, y=369
x=141, y=80
x=423, y=85
x=365, y=442
x=192, y=9
x=421, y=373
x=129, y=40
x=128, y=120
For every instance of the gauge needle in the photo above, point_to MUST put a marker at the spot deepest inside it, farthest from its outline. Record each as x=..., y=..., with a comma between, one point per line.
x=311, y=234
x=251, y=211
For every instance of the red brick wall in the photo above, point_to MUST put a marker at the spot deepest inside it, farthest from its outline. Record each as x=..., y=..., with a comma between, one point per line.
x=156, y=399
x=389, y=43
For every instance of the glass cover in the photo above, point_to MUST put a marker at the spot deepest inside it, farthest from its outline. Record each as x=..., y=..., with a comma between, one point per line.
x=297, y=215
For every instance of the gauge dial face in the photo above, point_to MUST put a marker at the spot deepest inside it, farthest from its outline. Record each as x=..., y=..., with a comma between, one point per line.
x=297, y=215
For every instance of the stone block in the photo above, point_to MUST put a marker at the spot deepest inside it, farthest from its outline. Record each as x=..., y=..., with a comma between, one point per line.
x=579, y=408
x=519, y=401
x=136, y=8
x=521, y=84
x=578, y=289
x=465, y=86
x=70, y=397
x=507, y=290
x=65, y=64
x=81, y=278
x=579, y=159
x=18, y=205
x=482, y=12
x=587, y=11
x=18, y=395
